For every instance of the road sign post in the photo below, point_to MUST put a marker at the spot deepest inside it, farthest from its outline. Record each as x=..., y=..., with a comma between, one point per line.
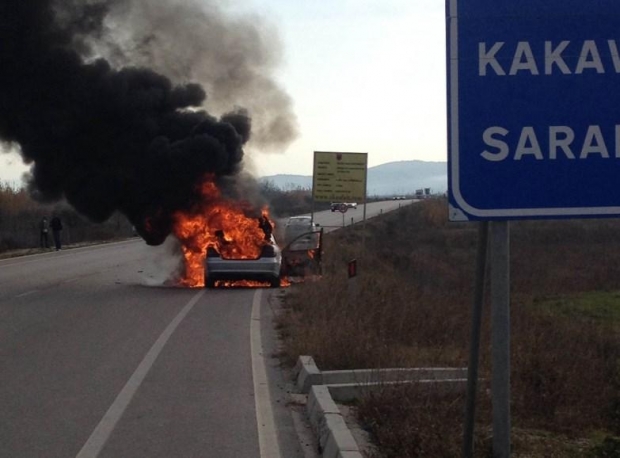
x=534, y=125
x=533, y=132
x=474, y=351
x=340, y=177
x=500, y=338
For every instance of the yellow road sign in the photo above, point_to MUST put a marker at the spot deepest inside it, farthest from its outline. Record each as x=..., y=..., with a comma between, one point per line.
x=339, y=177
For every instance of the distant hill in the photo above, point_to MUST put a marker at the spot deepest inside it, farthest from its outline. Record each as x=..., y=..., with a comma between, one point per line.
x=393, y=178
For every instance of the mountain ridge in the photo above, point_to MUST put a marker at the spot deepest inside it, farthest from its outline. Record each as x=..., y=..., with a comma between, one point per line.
x=391, y=178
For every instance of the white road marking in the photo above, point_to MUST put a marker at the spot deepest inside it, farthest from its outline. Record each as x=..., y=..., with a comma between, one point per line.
x=28, y=293
x=100, y=435
x=267, y=435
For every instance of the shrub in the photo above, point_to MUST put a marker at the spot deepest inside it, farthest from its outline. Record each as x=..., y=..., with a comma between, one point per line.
x=609, y=448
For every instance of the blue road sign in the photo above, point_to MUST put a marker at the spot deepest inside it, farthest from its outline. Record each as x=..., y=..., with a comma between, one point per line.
x=533, y=108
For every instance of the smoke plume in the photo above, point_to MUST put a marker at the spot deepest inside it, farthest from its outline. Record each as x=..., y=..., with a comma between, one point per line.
x=98, y=96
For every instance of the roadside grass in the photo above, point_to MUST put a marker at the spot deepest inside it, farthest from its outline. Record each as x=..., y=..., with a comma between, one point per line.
x=407, y=423
x=599, y=306
x=410, y=307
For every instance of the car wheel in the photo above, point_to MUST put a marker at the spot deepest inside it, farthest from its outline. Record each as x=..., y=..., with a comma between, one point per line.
x=275, y=282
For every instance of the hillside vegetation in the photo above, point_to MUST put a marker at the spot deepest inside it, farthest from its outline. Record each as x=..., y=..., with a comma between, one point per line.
x=20, y=216
x=411, y=307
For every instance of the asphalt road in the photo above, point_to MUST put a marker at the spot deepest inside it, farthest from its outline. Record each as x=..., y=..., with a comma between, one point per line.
x=97, y=358
x=331, y=221
x=334, y=220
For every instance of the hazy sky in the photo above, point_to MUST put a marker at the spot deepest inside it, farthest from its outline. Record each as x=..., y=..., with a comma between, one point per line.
x=364, y=76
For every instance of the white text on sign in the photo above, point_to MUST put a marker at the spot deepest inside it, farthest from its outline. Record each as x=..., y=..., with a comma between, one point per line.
x=600, y=57
x=562, y=143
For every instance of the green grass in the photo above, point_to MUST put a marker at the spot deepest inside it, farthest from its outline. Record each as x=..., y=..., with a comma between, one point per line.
x=598, y=306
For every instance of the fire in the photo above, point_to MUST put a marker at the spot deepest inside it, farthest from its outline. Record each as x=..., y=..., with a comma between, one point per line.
x=242, y=284
x=227, y=225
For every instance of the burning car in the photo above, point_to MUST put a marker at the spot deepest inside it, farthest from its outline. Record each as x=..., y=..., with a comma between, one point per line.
x=264, y=268
x=227, y=241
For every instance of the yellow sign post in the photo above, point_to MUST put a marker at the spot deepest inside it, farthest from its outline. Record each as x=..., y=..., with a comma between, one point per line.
x=339, y=177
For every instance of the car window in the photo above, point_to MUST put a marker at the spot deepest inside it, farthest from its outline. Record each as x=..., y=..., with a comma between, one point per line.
x=299, y=221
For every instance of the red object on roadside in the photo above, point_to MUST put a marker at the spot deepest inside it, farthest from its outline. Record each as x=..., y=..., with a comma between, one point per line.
x=352, y=268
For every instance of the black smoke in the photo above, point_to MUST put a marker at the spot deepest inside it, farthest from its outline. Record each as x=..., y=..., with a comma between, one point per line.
x=106, y=138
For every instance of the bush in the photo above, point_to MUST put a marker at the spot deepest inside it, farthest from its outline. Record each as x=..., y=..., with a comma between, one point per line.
x=20, y=217
x=609, y=448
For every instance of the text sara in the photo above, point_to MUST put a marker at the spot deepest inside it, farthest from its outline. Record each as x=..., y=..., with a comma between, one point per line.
x=559, y=142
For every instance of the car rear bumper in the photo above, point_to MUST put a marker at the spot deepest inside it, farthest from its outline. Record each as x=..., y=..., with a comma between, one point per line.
x=265, y=269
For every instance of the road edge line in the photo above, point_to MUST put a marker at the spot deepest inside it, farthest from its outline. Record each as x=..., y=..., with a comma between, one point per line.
x=267, y=434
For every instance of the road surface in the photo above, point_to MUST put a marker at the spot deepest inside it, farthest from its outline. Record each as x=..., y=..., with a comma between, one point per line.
x=98, y=358
x=333, y=220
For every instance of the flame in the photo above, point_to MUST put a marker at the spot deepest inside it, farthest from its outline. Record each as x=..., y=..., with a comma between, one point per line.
x=227, y=225
x=242, y=284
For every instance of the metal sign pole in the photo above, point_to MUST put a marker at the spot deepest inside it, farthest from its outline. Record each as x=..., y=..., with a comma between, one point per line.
x=474, y=351
x=364, y=215
x=500, y=337
x=313, y=187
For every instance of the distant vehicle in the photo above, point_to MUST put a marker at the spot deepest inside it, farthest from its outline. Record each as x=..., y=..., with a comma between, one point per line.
x=335, y=206
x=266, y=268
x=297, y=226
x=398, y=198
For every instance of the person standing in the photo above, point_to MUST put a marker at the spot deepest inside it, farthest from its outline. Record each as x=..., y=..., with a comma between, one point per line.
x=56, y=226
x=44, y=227
x=266, y=226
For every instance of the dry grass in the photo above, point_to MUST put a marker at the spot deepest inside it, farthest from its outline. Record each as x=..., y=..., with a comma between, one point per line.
x=411, y=307
x=20, y=216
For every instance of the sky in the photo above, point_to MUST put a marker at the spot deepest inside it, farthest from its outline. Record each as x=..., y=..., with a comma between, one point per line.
x=364, y=76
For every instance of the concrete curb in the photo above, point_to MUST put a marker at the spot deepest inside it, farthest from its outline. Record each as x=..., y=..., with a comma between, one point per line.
x=335, y=439
x=346, y=392
x=307, y=373
x=325, y=387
